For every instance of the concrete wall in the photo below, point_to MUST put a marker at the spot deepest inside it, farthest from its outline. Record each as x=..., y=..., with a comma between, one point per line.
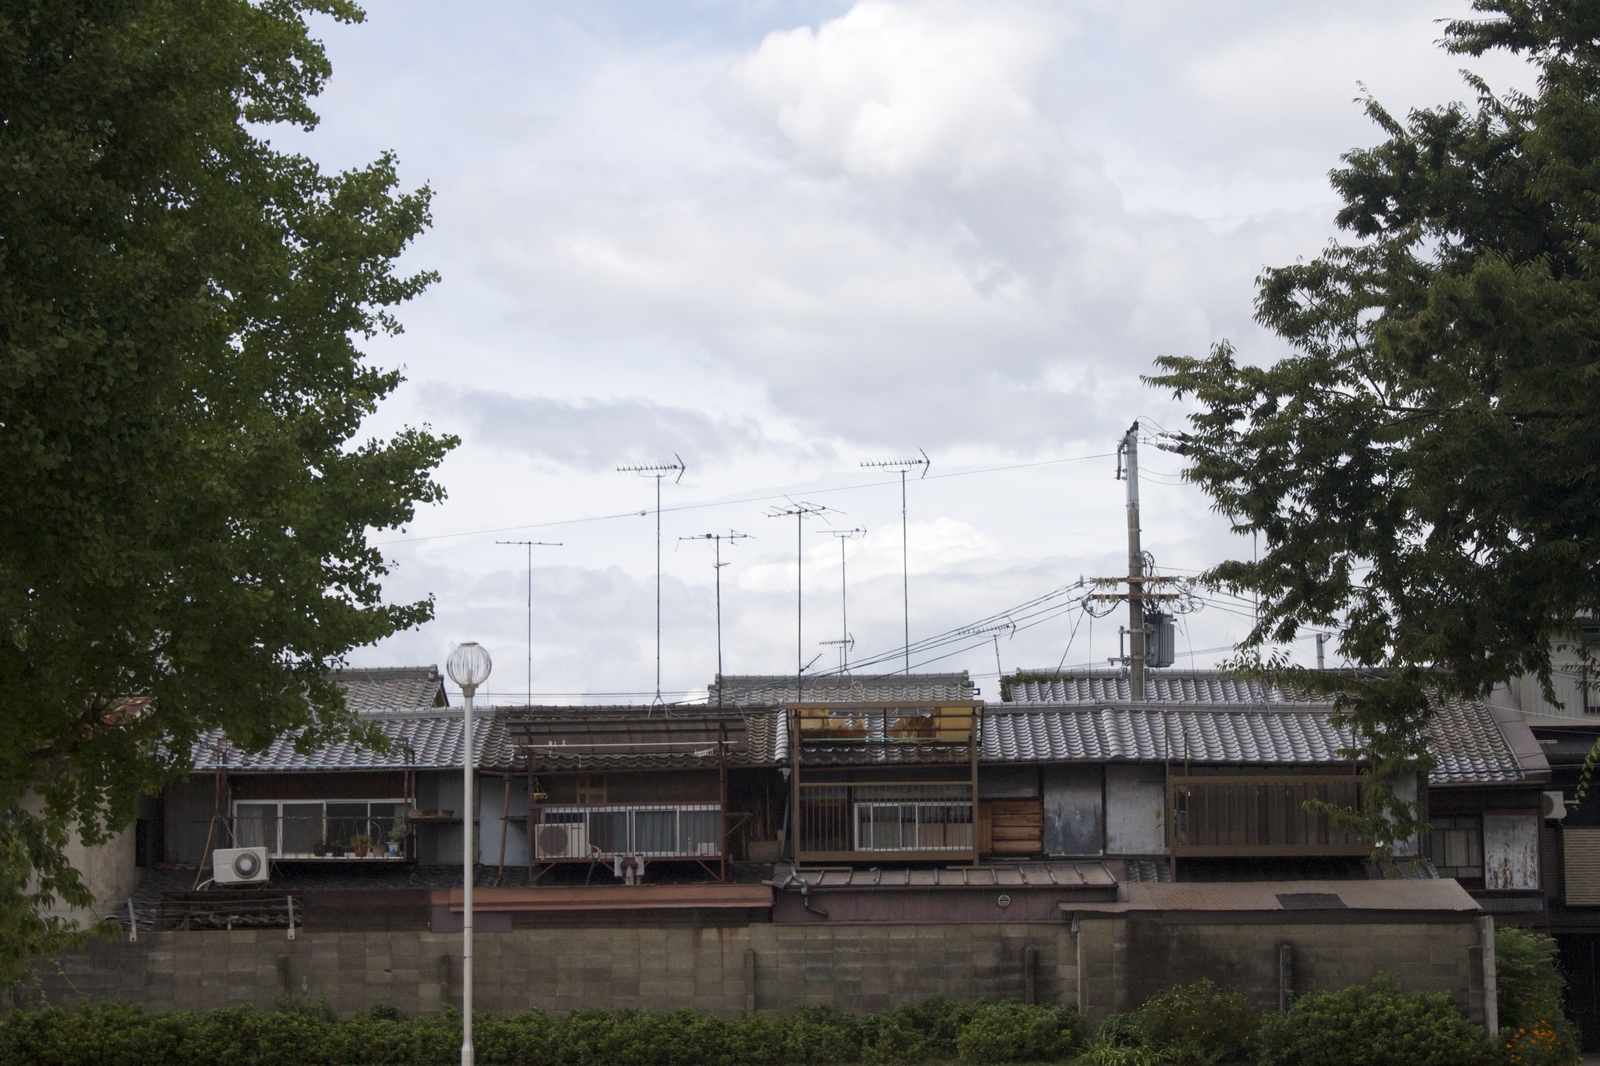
x=109, y=870
x=1126, y=959
x=722, y=970
x=767, y=966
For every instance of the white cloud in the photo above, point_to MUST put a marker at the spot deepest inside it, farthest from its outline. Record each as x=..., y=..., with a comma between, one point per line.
x=778, y=242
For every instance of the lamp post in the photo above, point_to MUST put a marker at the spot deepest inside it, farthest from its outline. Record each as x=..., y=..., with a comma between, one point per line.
x=468, y=666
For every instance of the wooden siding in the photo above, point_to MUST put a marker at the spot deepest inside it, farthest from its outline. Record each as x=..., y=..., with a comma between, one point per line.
x=1011, y=826
x=1260, y=816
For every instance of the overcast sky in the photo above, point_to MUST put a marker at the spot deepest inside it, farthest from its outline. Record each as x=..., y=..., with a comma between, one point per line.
x=778, y=239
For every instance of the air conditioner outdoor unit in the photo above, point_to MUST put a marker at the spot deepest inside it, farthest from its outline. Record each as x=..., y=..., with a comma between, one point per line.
x=561, y=840
x=239, y=866
x=1553, y=805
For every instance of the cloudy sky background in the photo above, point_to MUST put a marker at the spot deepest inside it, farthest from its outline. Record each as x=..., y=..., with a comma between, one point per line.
x=779, y=239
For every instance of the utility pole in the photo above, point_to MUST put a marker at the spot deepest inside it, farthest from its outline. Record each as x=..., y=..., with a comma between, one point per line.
x=799, y=512
x=530, y=545
x=658, y=471
x=902, y=467
x=1128, y=469
x=716, y=540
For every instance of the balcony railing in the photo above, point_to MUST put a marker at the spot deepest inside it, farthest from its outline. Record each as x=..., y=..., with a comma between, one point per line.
x=664, y=831
x=909, y=822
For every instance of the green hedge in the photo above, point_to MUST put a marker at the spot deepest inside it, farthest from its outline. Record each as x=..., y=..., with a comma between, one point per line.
x=123, y=1035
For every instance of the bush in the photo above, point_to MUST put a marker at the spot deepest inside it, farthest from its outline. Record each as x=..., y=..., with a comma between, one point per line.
x=1120, y=1041
x=1011, y=1032
x=1199, y=1025
x=938, y=1030
x=1533, y=1030
x=1380, y=1026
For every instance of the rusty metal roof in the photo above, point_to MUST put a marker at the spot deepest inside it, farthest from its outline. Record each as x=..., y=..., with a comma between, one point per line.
x=635, y=738
x=698, y=896
x=1010, y=875
x=770, y=689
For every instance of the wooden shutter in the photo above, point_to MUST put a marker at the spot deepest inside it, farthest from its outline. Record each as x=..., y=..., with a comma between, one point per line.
x=1016, y=826
x=1581, y=852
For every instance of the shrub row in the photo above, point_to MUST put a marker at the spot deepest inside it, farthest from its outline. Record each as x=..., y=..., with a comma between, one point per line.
x=938, y=1030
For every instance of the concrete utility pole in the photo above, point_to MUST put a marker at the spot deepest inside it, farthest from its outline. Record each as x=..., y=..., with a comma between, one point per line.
x=1129, y=453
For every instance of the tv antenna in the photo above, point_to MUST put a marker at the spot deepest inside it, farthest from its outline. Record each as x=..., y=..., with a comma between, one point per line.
x=903, y=467
x=658, y=471
x=799, y=512
x=530, y=545
x=845, y=641
x=716, y=540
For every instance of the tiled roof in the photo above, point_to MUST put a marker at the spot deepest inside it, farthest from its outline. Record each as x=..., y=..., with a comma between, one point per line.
x=420, y=742
x=766, y=742
x=768, y=689
x=394, y=688
x=1467, y=745
x=1184, y=686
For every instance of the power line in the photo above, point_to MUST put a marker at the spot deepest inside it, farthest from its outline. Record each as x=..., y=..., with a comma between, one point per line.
x=409, y=539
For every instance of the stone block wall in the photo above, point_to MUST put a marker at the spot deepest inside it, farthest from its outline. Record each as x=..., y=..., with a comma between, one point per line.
x=766, y=966
x=720, y=970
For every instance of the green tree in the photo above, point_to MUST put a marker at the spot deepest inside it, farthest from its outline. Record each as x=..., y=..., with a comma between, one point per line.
x=184, y=503
x=1424, y=469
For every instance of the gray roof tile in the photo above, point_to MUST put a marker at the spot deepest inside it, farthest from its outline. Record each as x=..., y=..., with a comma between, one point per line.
x=395, y=688
x=1179, y=686
x=1467, y=744
x=420, y=742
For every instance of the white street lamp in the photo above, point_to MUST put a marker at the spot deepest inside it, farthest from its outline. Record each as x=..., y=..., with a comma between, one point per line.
x=468, y=666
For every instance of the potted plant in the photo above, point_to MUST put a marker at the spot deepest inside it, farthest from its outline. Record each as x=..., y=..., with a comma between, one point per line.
x=319, y=848
x=361, y=844
x=397, y=834
x=336, y=850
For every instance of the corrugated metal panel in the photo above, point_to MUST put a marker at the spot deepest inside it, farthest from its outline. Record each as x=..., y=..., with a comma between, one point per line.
x=1581, y=852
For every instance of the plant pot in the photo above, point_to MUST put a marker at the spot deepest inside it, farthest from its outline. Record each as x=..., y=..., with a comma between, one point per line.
x=319, y=850
x=336, y=850
x=394, y=849
x=361, y=851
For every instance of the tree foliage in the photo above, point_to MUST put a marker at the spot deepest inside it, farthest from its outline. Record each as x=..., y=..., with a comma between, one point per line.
x=185, y=501
x=1424, y=469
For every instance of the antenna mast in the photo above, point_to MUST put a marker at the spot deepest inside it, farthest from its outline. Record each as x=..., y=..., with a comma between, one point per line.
x=845, y=641
x=658, y=471
x=799, y=512
x=530, y=545
x=902, y=467
x=716, y=540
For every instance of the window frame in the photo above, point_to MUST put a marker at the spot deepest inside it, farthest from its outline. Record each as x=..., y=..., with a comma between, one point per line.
x=275, y=847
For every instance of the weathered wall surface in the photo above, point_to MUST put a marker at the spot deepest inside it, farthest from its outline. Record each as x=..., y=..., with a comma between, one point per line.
x=723, y=970
x=1124, y=960
x=764, y=966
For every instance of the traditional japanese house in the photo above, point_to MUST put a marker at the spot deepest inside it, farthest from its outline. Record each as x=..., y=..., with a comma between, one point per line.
x=621, y=786
x=1208, y=777
x=340, y=802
